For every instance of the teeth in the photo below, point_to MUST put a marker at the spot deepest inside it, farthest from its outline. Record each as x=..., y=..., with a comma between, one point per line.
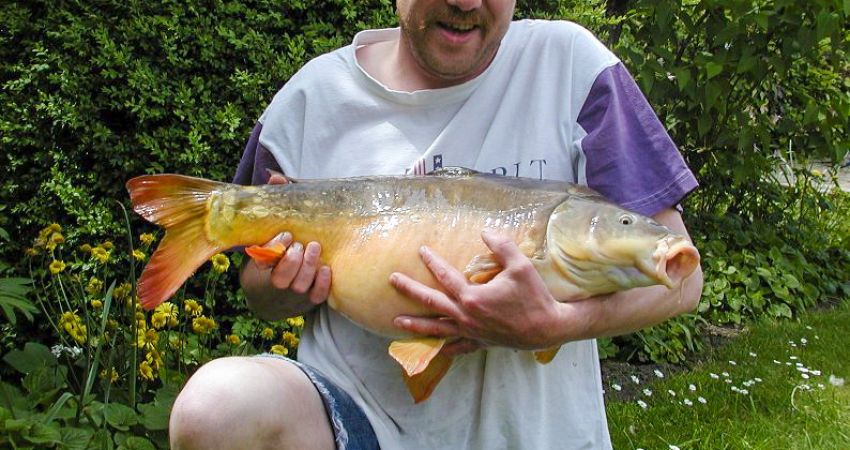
x=460, y=27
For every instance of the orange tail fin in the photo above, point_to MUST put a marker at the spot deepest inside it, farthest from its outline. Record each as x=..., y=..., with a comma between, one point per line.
x=179, y=204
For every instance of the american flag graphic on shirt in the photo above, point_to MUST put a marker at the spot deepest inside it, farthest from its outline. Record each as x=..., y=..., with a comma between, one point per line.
x=420, y=168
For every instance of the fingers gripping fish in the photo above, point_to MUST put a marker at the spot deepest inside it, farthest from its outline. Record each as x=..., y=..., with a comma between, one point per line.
x=370, y=227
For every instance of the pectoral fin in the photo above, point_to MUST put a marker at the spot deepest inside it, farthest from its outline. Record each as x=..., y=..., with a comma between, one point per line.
x=423, y=384
x=414, y=355
x=482, y=268
x=546, y=356
x=268, y=255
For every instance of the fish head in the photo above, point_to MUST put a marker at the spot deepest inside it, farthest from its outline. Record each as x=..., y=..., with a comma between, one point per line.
x=603, y=248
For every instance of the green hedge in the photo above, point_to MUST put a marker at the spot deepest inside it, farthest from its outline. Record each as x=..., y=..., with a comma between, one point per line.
x=96, y=92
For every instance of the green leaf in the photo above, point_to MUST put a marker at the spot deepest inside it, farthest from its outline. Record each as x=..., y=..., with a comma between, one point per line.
x=761, y=20
x=791, y=281
x=43, y=384
x=155, y=415
x=75, y=438
x=32, y=357
x=102, y=440
x=19, y=425
x=121, y=417
x=40, y=433
x=713, y=69
x=780, y=310
x=766, y=273
x=11, y=396
x=54, y=410
x=13, y=292
x=136, y=443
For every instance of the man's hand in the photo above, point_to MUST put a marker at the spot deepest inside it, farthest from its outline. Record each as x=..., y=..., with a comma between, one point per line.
x=294, y=285
x=514, y=309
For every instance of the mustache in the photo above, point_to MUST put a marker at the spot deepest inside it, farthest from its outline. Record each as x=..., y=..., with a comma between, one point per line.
x=454, y=14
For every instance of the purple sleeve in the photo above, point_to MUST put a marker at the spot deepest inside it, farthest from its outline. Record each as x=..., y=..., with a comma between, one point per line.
x=255, y=160
x=630, y=157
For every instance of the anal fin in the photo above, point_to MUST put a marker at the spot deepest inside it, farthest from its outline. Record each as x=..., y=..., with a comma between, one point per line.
x=546, y=356
x=423, y=384
x=414, y=355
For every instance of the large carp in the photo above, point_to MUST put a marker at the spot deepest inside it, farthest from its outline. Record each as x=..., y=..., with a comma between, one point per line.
x=370, y=227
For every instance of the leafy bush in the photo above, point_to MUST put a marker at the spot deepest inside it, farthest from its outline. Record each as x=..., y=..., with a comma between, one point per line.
x=114, y=89
x=114, y=370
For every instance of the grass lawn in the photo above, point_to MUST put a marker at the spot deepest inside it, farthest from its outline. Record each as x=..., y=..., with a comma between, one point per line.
x=780, y=385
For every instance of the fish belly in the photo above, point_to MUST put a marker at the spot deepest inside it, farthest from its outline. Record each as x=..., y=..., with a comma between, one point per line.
x=361, y=267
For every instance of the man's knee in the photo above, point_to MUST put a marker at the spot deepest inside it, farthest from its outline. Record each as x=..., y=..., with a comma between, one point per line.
x=241, y=402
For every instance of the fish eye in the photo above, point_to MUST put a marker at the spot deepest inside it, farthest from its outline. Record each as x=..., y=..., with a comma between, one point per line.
x=627, y=219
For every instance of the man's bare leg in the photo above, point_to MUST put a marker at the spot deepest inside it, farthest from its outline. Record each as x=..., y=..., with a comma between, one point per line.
x=249, y=403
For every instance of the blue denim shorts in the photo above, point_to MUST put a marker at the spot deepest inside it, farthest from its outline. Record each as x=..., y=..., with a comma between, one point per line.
x=351, y=428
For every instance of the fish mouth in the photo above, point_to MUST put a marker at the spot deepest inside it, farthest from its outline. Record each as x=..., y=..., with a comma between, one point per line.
x=673, y=260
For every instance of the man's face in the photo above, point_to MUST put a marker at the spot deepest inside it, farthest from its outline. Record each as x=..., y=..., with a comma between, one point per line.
x=454, y=40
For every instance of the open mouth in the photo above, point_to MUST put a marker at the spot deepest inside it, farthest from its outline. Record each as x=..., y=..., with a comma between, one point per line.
x=675, y=259
x=457, y=32
x=457, y=28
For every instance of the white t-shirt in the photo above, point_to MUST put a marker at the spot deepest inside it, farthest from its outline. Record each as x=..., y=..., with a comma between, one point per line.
x=521, y=117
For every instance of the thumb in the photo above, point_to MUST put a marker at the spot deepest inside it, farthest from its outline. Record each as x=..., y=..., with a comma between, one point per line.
x=276, y=177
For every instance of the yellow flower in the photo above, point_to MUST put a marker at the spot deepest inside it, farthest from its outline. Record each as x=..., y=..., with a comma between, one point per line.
x=203, y=325
x=54, y=227
x=159, y=319
x=147, y=239
x=147, y=338
x=220, y=262
x=73, y=325
x=85, y=248
x=56, y=267
x=146, y=371
x=154, y=359
x=176, y=342
x=279, y=350
x=267, y=333
x=290, y=338
x=107, y=245
x=111, y=324
x=100, y=254
x=139, y=255
x=96, y=304
x=122, y=291
x=57, y=238
x=296, y=322
x=111, y=374
x=94, y=286
x=192, y=308
x=30, y=251
x=169, y=312
x=234, y=339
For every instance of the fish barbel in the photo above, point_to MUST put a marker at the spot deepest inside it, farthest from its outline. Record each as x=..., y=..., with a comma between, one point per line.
x=369, y=227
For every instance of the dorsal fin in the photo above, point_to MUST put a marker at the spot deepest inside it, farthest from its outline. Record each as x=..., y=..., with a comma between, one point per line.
x=453, y=171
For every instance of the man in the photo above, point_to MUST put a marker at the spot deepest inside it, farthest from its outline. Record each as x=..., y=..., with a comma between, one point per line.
x=458, y=85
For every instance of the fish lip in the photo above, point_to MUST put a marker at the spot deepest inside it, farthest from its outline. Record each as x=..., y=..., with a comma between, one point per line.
x=673, y=260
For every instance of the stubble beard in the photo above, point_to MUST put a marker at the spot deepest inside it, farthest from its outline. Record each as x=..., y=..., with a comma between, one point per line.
x=453, y=67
